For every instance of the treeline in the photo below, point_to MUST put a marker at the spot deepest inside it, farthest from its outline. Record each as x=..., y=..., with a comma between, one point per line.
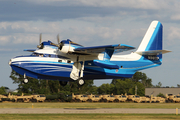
x=50, y=87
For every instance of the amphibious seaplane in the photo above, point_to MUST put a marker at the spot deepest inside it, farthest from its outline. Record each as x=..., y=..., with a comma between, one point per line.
x=69, y=61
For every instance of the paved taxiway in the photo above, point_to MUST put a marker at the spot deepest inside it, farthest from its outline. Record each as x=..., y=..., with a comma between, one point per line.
x=85, y=110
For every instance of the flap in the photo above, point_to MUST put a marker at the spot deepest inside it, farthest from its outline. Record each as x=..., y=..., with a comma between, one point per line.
x=100, y=49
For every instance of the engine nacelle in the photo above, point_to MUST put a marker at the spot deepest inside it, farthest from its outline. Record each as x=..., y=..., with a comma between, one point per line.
x=67, y=46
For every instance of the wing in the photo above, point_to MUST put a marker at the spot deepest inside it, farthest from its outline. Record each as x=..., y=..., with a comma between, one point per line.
x=100, y=49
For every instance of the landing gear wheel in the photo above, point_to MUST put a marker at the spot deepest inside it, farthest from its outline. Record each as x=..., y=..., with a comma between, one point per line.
x=63, y=83
x=81, y=82
x=25, y=80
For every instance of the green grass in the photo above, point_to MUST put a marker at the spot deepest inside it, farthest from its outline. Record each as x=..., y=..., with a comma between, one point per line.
x=90, y=105
x=88, y=117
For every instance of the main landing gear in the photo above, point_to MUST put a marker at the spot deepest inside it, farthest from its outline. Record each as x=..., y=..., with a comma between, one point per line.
x=80, y=82
x=77, y=71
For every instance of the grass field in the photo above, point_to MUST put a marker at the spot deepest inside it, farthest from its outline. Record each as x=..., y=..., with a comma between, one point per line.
x=90, y=105
x=87, y=117
x=104, y=116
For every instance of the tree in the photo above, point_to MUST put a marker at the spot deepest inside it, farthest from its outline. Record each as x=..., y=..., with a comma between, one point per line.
x=34, y=85
x=2, y=90
x=117, y=86
x=73, y=87
x=87, y=87
x=105, y=89
x=51, y=86
x=159, y=85
x=161, y=95
x=140, y=89
x=141, y=77
x=122, y=86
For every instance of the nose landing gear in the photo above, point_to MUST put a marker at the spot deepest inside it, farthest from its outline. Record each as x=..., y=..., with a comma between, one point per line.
x=25, y=79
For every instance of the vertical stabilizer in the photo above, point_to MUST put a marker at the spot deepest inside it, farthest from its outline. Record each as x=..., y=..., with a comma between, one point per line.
x=153, y=38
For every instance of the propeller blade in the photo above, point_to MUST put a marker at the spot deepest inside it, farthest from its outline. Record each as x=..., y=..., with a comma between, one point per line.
x=58, y=39
x=40, y=38
x=54, y=44
x=74, y=43
x=40, y=46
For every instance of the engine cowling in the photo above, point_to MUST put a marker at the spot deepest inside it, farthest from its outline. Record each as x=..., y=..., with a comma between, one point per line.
x=67, y=46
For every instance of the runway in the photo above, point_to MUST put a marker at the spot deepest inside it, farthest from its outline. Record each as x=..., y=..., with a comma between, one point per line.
x=86, y=111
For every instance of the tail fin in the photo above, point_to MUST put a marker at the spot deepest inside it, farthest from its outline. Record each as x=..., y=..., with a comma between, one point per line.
x=153, y=38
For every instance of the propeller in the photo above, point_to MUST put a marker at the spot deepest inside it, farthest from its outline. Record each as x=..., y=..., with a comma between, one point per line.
x=40, y=38
x=58, y=40
x=60, y=44
x=40, y=46
x=73, y=43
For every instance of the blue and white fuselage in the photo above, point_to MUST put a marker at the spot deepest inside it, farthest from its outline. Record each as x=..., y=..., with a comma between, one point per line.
x=70, y=61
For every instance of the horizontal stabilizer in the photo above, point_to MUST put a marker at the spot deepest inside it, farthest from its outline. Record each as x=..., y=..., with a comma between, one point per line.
x=30, y=50
x=105, y=64
x=153, y=52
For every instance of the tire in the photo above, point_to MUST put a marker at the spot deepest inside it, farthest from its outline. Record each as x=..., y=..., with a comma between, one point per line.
x=63, y=83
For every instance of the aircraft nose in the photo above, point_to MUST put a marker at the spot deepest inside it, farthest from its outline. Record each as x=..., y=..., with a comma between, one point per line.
x=10, y=61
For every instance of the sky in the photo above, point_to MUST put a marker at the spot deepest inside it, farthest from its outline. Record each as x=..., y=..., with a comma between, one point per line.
x=89, y=23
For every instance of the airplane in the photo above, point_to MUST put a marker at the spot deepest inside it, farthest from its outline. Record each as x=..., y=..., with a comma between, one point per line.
x=69, y=61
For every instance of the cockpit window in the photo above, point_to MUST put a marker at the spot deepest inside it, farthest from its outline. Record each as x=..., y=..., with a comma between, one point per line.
x=40, y=55
x=37, y=54
x=34, y=54
x=49, y=55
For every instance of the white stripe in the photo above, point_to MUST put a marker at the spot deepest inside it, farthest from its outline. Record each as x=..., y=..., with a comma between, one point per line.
x=148, y=36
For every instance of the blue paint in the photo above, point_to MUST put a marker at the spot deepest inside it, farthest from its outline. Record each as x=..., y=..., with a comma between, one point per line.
x=105, y=64
x=93, y=69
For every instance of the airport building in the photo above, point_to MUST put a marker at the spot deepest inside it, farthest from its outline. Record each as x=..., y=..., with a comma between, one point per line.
x=156, y=91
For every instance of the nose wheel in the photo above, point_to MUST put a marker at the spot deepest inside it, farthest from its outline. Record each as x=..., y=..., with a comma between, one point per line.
x=25, y=79
x=63, y=83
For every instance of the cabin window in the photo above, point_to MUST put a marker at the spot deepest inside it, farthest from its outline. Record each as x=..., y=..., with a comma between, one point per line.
x=40, y=55
x=89, y=63
x=49, y=55
x=68, y=61
x=59, y=60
